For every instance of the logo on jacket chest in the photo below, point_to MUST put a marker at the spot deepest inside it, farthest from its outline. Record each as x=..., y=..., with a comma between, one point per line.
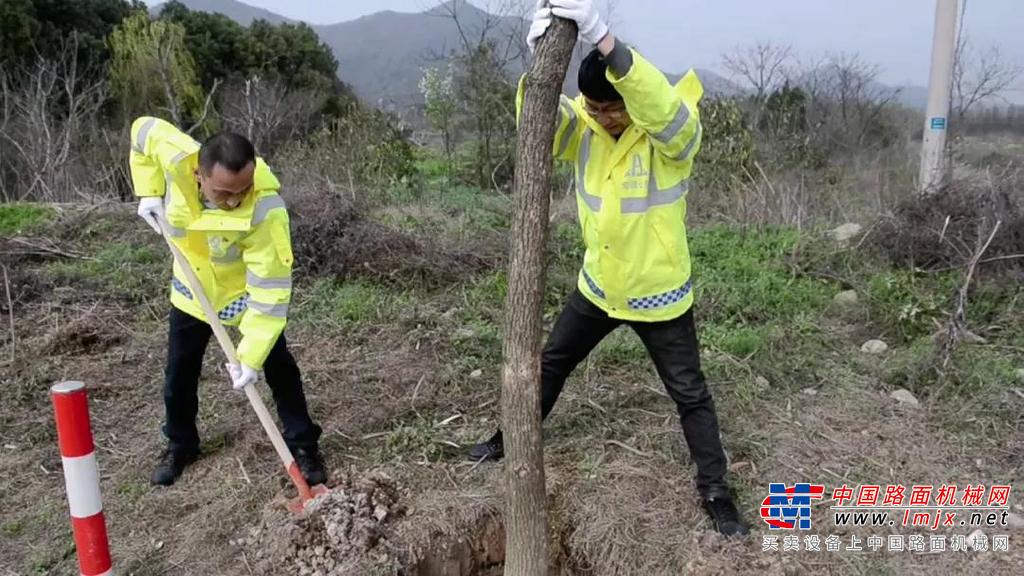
x=637, y=175
x=220, y=246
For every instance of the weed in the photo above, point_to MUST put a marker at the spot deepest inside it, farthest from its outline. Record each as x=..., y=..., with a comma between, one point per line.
x=348, y=303
x=133, y=273
x=742, y=278
x=20, y=218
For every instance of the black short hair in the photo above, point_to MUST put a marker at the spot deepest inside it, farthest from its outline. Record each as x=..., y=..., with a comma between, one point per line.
x=593, y=82
x=230, y=150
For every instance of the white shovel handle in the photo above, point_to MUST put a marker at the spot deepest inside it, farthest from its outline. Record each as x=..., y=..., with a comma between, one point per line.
x=229, y=352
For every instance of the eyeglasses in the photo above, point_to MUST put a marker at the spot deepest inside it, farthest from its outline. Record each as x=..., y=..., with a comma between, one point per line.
x=616, y=113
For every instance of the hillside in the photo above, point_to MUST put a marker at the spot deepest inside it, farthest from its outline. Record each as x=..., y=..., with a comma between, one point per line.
x=382, y=55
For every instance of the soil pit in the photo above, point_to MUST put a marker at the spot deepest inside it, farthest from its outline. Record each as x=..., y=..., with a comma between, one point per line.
x=362, y=527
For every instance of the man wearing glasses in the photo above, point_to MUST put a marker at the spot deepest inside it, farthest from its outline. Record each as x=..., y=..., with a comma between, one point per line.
x=632, y=137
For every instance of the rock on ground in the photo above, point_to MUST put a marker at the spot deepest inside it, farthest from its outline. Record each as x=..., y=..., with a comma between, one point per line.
x=874, y=347
x=904, y=397
x=846, y=298
x=845, y=232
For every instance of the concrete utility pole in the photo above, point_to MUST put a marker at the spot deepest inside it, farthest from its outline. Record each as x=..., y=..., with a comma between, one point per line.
x=936, y=123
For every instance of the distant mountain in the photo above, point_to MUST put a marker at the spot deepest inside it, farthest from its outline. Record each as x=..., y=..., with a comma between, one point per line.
x=240, y=12
x=383, y=55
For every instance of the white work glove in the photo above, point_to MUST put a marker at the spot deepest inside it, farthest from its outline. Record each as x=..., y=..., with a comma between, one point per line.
x=540, y=24
x=151, y=209
x=241, y=375
x=592, y=28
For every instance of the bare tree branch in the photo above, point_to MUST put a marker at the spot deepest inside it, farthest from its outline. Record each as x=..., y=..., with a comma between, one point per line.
x=979, y=77
x=206, y=106
x=762, y=66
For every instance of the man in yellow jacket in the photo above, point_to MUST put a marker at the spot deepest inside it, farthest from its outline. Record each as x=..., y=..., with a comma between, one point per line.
x=632, y=137
x=220, y=204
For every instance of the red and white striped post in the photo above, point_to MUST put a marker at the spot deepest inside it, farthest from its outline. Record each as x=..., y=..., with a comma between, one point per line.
x=81, y=478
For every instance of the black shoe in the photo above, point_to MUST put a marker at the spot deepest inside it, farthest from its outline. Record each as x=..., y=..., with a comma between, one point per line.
x=311, y=465
x=172, y=464
x=493, y=449
x=724, y=515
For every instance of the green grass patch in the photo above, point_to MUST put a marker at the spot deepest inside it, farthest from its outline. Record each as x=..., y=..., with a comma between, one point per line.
x=418, y=440
x=908, y=304
x=350, y=302
x=742, y=278
x=459, y=213
x=19, y=218
x=975, y=400
x=131, y=272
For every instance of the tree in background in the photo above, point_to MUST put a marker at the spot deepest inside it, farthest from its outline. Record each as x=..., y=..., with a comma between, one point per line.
x=218, y=45
x=268, y=112
x=487, y=97
x=489, y=50
x=33, y=29
x=437, y=88
x=979, y=76
x=262, y=66
x=292, y=53
x=152, y=68
x=48, y=113
x=727, y=146
x=762, y=67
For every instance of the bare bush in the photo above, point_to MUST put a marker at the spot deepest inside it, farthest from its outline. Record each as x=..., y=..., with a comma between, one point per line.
x=268, y=112
x=946, y=230
x=47, y=115
x=332, y=237
x=762, y=67
x=848, y=106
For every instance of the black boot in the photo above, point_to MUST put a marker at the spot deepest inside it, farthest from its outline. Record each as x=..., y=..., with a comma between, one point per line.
x=493, y=449
x=172, y=464
x=723, y=513
x=311, y=465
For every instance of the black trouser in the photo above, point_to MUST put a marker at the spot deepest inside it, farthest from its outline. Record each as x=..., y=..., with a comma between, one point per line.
x=676, y=353
x=187, y=342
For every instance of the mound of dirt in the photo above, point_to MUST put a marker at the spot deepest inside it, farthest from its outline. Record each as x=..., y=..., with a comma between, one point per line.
x=344, y=532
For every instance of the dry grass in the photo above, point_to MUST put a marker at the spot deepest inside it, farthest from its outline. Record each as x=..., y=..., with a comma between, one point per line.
x=391, y=384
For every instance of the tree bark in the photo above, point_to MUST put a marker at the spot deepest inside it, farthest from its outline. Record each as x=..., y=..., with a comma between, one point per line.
x=525, y=497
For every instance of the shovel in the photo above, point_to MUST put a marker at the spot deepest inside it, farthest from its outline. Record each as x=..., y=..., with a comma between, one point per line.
x=306, y=492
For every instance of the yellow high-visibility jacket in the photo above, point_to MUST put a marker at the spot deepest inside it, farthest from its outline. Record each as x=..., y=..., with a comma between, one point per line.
x=631, y=193
x=242, y=257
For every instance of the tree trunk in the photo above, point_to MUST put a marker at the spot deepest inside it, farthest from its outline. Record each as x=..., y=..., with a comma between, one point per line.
x=525, y=497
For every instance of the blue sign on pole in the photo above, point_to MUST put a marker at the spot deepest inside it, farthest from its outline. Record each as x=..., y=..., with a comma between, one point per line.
x=938, y=123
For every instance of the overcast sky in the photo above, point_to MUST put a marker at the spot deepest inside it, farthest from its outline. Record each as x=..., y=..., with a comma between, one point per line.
x=676, y=34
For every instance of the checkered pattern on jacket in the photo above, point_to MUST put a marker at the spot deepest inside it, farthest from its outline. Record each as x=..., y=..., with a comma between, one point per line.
x=593, y=285
x=235, y=308
x=660, y=300
x=181, y=288
x=230, y=312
